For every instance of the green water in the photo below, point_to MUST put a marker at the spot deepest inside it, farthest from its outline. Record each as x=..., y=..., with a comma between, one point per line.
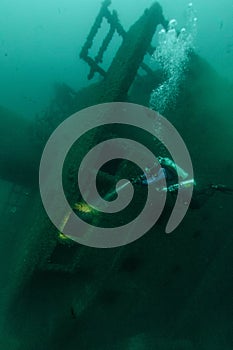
x=162, y=291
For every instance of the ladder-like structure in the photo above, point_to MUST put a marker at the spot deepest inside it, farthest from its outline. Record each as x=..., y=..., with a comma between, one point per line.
x=115, y=27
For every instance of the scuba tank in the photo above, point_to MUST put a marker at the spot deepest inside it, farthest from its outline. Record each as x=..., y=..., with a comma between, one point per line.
x=168, y=163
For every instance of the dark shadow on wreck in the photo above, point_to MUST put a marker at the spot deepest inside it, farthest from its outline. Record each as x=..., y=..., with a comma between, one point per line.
x=162, y=291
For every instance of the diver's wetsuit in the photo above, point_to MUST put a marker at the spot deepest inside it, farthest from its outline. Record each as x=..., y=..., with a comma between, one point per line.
x=176, y=178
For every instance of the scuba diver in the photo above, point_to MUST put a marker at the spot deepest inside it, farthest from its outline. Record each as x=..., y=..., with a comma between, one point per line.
x=176, y=178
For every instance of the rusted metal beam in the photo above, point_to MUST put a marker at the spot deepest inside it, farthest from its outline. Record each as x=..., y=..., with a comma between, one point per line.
x=21, y=150
x=129, y=57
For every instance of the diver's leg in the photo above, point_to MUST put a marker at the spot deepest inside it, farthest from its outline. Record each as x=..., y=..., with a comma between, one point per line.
x=200, y=196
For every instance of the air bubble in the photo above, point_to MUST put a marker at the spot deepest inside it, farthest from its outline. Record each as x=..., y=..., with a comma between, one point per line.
x=183, y=34
x=172, y=24
x=162, y=35
x=172, y=53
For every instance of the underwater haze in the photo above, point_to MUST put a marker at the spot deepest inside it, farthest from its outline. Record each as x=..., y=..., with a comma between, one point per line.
x=40, y=42
x=161, y=291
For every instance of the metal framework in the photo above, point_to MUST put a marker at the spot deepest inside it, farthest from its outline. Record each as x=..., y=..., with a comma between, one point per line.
x=115, y=27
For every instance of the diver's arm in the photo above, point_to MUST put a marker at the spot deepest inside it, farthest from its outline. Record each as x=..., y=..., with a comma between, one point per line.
x=150, y=179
